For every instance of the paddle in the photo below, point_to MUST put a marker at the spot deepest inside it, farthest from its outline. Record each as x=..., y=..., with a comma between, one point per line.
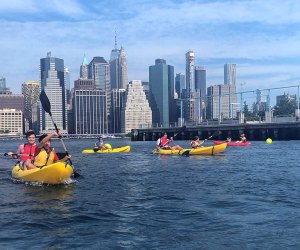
x=187, y=152
x=47, y=107
x=180, y=131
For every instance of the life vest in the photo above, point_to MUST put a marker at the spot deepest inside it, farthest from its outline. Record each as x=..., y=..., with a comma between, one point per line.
x=164, y=142
x=28, y=151
x=44, y=158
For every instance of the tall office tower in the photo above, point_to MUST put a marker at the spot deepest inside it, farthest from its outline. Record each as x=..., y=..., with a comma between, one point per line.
x=99, y=71
x=52, y=81
x=161, y=82
x=84, y=68
x=31, y=92
x=230, y=74
x=190, y=84
x=179, y=84
x=68, y=87
x=89, y=108
x=200, y=80
x=11, y=122
x=190, y=71
x=136, y=112
x=3, y=89
x=117, y=103
x=118, y=68
x=221, y=102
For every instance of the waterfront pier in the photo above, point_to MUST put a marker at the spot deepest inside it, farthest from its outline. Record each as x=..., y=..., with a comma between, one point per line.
x=253, y=131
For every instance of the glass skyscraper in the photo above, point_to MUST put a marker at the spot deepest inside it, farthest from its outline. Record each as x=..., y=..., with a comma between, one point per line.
x=52, y=81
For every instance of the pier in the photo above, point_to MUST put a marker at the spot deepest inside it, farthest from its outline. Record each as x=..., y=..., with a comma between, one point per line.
x=253, y=131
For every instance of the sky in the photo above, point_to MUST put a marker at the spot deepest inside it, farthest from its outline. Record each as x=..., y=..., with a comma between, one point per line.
x=262, y=37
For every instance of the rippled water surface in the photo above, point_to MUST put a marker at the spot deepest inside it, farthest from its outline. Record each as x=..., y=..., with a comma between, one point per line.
x=248, y=197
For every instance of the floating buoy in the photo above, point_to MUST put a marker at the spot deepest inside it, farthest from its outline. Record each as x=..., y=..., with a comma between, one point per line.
x=269, y=141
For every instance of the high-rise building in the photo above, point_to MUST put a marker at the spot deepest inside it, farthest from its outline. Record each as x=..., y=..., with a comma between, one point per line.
x=161, y=82
x=3, y=89
x=52, y=81
x=84, y=68
x=180, y=84
x=230, y=74
x=200, y=81
x=190, y=71
x=11, y=122
x=136, y=112
x=221, y=102
x=89, y=110
x=118, y=68
x=117, y=104
x=99, y=71
x=31, y=92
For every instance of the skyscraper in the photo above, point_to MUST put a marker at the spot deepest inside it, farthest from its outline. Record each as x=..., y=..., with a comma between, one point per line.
x=118, y=68
x=52, y=81
x=200, y=80
x=190, y=72
x=230, y=74
x=31, y=92
x=180, y=84
x=99, y=71
x=117, y=104
x=161, y=82
x=136, y=112
x=84, y=68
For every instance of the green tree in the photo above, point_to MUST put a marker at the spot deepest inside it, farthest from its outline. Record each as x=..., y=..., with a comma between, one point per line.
x=287, y=106
x=246, y=111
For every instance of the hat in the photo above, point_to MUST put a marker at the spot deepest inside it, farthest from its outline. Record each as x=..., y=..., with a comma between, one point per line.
x=100, y=137
x=29, y=133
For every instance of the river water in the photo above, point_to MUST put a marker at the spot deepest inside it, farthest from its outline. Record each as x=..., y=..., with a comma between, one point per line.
x=248, y=197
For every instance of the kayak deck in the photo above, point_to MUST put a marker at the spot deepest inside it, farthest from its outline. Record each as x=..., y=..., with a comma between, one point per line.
x=209, y=150
x=56, y=173
x=124, y=149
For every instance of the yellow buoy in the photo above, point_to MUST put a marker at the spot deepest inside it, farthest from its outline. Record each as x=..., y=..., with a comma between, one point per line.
x=269, y=141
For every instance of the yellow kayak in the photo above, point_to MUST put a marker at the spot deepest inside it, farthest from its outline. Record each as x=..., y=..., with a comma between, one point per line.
x=124, y=149
x=210, y=150
x=55, y=173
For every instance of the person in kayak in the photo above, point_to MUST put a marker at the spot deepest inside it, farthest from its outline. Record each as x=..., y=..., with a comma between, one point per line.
x=26, y=151
x=165, y=143
x=100, y=145
x=45, y=155
x=228, y=139
x=196, y=143
x=242, y=138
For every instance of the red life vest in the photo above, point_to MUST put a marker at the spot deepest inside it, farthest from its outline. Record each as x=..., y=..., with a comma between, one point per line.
x=164, y=142
x=28, y=152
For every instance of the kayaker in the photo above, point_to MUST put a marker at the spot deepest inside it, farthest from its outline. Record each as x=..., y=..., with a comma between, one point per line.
x=242, y=138
x=196, y=143
x=45, y=155
x=165, y=143
x=228, y=139
x=100, y=143
x=26, y=151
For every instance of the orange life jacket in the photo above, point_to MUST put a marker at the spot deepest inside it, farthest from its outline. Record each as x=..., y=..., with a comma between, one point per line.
x=28, y=152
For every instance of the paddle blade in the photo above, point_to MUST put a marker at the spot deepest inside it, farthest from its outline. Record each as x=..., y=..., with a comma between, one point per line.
x=45, y=102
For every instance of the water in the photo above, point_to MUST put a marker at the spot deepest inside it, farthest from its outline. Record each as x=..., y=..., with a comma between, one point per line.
x=249, y=197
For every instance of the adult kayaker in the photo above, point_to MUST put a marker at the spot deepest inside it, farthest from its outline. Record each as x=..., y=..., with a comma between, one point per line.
x=196, y=143
x=45, y=155
x=100, y=144
x=26, y=151
x=165, y=143
x=228, y=139
x=242, y=138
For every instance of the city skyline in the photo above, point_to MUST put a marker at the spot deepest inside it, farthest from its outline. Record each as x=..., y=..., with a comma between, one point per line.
x=261, y=38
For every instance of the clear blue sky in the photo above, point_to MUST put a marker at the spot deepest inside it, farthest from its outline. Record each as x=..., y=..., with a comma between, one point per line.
x=261, y=36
